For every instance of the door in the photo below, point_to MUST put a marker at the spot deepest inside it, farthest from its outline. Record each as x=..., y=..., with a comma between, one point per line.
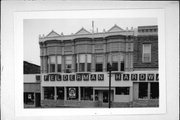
x=105, y=96
x=38, y=99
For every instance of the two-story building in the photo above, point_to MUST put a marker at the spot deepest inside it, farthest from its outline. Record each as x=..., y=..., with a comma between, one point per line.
x=74, y=68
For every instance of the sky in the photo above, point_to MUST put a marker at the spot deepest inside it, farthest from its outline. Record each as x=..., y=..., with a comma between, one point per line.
x=32, y=28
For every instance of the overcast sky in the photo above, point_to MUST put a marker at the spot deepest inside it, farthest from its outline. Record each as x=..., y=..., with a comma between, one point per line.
x=34, y=27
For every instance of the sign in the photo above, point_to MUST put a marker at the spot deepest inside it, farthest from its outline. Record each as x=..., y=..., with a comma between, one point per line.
x=101, y=77
x=72, y=92
x=134, y=77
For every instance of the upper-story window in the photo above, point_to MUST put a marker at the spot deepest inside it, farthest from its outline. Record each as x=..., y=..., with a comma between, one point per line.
x=122, y=63
x=89, y=62
x=59, y=63
x=99, y=63
x=115, y=63
x=146, y=53
x=52, y=62
x=82, y=59
x=68, y=64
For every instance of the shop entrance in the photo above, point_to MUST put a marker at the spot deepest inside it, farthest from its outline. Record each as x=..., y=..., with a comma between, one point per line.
x=38, y=99
x=103, y=95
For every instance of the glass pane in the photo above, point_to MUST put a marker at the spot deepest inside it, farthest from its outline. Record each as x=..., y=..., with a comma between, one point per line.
x=53, y=59
x=82, y=58
x=88, y=58
x=59, y=60
x=99, y=59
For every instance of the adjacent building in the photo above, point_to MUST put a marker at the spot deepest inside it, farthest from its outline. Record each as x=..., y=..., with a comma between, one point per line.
x=32, y=83
x=74, y=69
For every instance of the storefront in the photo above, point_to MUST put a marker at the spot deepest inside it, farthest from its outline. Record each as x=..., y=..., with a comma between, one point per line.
x=125, y=88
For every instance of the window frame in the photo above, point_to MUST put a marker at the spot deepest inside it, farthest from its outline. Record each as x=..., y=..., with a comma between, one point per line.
x=143, y=53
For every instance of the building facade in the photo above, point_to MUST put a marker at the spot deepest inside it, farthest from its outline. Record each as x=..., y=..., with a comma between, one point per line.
x=74, y=68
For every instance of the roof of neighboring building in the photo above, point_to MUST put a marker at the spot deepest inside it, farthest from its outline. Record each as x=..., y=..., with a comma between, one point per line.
x=30, y=68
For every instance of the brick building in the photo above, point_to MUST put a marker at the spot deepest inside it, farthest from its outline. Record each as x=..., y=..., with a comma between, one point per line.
x=74, y=68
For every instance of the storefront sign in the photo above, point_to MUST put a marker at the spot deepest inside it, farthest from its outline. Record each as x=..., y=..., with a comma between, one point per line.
x=150, y=77
x=135, y=77
x=157, y=77
x=142, y=77
x=125, y=77
x=100, y=77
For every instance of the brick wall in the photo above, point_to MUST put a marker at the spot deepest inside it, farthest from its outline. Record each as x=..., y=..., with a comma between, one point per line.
x=138, y=44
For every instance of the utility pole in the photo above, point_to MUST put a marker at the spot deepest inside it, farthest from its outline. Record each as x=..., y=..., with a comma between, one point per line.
x=109, y=69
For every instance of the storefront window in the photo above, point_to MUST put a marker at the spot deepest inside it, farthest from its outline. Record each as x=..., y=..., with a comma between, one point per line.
x=86, y=93
x=68, y=62
x=72, y=93
x=29, y=98
x=60, y=93
x=122, y=90
x=48, y=92
x=154, y=90
x=59, y=63
x=143, y=90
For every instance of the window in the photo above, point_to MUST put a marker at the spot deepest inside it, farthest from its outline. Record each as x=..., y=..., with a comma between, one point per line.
x=86, y=93
x=154, y=90
x=82, y=59
x=52, y=62
x=68, y=64
x=115, y=63
x=89, y=63
x=99, y=63
x=143, y=90
x=146, y=56
x=29, y=98
x=122, y=90
x=122, y=65
x=72, y=93
x=59, y=63
x=60, y=93
x=48, y=92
